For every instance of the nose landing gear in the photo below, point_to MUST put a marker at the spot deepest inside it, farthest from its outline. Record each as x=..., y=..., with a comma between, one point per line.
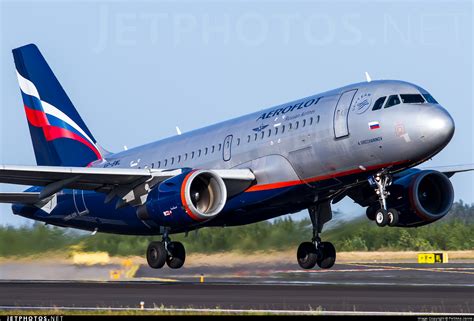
x=383, y=216
x=316, y=252
x=171, y=253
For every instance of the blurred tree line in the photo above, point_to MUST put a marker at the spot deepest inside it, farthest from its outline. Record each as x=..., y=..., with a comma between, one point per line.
x=453, y=232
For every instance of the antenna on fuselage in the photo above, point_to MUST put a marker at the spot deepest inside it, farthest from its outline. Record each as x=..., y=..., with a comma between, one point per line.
x=178, y=130
x=367, y=77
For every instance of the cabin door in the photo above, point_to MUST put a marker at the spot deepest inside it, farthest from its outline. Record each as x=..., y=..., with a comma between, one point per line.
x=341, y=114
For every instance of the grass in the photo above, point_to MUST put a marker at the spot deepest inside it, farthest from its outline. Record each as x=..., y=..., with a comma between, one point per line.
x=148, y=312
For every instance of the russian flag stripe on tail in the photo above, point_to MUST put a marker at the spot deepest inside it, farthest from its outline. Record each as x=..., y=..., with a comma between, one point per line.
x=60, y=137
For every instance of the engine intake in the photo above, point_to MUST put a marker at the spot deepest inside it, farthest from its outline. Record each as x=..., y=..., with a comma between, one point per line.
x=421, y=197
x=185, y=200
x=431, y=195
x=203, y=194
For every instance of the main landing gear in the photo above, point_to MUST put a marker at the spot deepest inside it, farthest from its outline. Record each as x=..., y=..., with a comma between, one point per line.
x=316, y=252
x=171, y=253
x=381, y=214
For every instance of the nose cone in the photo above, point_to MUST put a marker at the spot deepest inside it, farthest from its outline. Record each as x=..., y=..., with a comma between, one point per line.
x=437, y=126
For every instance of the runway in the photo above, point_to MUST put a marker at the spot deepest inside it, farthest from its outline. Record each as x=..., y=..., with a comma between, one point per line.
x=240, y=296
x=444, y=288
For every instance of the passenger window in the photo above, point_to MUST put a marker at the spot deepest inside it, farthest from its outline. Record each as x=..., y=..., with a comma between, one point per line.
x=192, y=155
x=159, y=164
x=263, y=134
x=186, y=156
x=199, y=153
x=430, y=99
x=317, y=121
x=172, y=160
x=248, y=139
x=220, y=146
x=290, y=126
x=297, y=125
x=311, y=121
x=256, y=136
x=238, y=141
x=205, y=151
x=179, y=158
x=282, y=129
x=392, y=101
x=304, y=122
x=213, y=148
x=166, y=162
x=276, y=130
x=379, y=103
x=269, y=132
x=412, y=99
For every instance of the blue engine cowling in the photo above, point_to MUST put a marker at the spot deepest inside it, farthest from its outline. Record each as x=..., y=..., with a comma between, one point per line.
x=187, y=199
x=421, y=197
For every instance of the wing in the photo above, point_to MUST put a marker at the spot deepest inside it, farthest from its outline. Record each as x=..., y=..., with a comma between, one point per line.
x=22, y=197
x=451, y=170
x=129, y=184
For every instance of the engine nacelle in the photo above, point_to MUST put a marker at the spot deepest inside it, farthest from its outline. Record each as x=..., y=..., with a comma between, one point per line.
x=192, y=197
x=421, y=197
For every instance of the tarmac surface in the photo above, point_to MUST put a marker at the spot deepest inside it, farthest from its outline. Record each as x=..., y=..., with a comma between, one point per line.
x=403, y=287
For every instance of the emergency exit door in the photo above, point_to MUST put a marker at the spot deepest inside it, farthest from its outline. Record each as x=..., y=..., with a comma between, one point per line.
x=227, y=148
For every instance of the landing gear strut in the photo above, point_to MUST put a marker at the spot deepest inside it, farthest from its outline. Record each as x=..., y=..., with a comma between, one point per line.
x=171, y=253
x=383, y=216
x=316, y=252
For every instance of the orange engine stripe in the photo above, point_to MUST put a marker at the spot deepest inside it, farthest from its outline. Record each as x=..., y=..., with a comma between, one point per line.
x=183, y=198
x=270, y=186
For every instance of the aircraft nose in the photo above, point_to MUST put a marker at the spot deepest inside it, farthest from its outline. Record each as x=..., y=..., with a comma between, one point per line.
x=437, y=126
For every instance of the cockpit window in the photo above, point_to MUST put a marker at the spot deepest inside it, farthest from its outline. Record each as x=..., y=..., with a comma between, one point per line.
x=430, y=99
x=379, y=103
x=392, y=101
x=412, y=98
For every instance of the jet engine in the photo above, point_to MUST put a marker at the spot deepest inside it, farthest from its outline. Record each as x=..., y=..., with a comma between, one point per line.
x=421, y=197
x=186, y=199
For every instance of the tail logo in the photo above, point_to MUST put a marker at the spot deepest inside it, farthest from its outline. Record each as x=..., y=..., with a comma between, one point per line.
x=54, y=123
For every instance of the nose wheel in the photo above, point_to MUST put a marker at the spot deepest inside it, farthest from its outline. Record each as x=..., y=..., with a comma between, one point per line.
x=316, y=252
x=171, y=253
x=382, y=216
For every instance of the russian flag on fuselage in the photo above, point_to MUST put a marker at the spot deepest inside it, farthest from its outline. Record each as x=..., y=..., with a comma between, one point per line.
x=374, y=125
x=59, y=135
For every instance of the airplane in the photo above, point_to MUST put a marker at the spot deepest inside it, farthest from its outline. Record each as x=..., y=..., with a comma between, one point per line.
x=360, y=141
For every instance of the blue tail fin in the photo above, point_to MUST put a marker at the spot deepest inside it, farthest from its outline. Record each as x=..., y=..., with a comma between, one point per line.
x=60, y=137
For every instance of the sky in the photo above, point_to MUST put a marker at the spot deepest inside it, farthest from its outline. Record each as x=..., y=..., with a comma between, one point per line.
x=136, y=69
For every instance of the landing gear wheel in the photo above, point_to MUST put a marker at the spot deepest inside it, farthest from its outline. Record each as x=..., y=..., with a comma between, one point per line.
x=177, y=255
x=156, y=255
x=307, y=255
x=327, y=255
x=381, y=217
x=370, y=212
x=393, y=217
